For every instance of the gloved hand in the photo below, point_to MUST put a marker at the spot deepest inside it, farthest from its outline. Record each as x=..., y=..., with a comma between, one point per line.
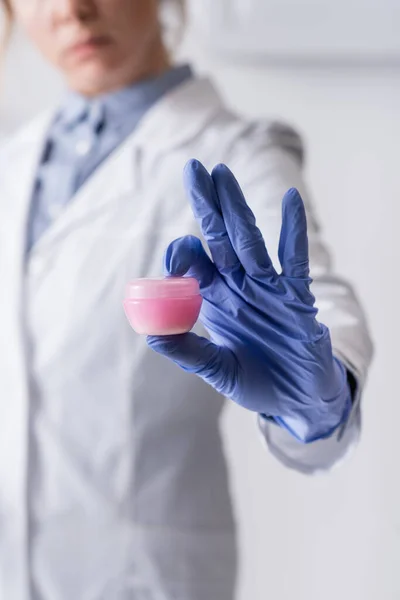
x=268, y=352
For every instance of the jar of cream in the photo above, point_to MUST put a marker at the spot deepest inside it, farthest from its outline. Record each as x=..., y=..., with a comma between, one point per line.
x=163, y=306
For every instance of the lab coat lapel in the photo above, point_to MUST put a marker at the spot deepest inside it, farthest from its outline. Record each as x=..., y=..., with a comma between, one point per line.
x=117, y=177
x=179, y=116
x=175, y=118
x=18, y=164
x=17, y=180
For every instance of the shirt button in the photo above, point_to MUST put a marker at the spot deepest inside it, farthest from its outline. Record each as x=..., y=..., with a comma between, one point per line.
x=83, y=147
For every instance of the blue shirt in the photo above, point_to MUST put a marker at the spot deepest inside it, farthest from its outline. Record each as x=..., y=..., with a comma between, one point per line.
x=83, y=134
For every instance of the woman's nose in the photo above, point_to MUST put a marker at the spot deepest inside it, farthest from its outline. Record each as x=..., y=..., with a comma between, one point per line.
x=82, y=10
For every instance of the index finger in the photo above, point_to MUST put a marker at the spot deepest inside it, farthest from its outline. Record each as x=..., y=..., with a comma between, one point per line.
x=207, y=211
x=240, y=222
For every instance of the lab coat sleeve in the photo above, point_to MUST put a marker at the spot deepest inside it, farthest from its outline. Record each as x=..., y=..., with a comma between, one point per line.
x=274, y=163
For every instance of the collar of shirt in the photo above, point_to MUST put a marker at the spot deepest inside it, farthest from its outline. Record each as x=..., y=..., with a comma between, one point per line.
x=114, y=108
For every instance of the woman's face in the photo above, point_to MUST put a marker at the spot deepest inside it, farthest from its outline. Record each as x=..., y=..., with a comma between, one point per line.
x=99, y=45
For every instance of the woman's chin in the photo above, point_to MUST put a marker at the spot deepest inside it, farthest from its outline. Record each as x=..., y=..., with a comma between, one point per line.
x=93, y=78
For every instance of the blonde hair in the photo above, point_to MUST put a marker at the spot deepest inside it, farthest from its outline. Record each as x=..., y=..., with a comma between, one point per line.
x=7, y=10
x=7, y=27
x=7, y=7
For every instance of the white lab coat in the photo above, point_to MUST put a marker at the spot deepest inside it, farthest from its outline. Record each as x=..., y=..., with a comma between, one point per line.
x=113, y=483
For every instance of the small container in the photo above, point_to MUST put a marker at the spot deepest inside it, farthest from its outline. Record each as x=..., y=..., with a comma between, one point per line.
x=163, y=306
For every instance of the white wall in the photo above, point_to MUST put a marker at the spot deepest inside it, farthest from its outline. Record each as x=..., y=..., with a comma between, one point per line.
x=336, y=536
x=312, y=30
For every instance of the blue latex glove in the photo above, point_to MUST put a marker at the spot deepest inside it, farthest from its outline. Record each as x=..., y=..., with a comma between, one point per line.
x=268, y=352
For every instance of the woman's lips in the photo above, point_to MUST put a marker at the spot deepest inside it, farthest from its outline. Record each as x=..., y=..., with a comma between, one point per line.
x=88, y=47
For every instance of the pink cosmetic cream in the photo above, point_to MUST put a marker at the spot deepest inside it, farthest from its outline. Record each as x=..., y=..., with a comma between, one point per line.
x=163, y=306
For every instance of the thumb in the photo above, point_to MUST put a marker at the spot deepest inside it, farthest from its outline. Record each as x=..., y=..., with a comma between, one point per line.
x=186, y=256
x=195, y=354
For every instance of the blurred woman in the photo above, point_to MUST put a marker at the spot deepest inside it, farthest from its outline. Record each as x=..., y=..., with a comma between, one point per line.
x=113, y=482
